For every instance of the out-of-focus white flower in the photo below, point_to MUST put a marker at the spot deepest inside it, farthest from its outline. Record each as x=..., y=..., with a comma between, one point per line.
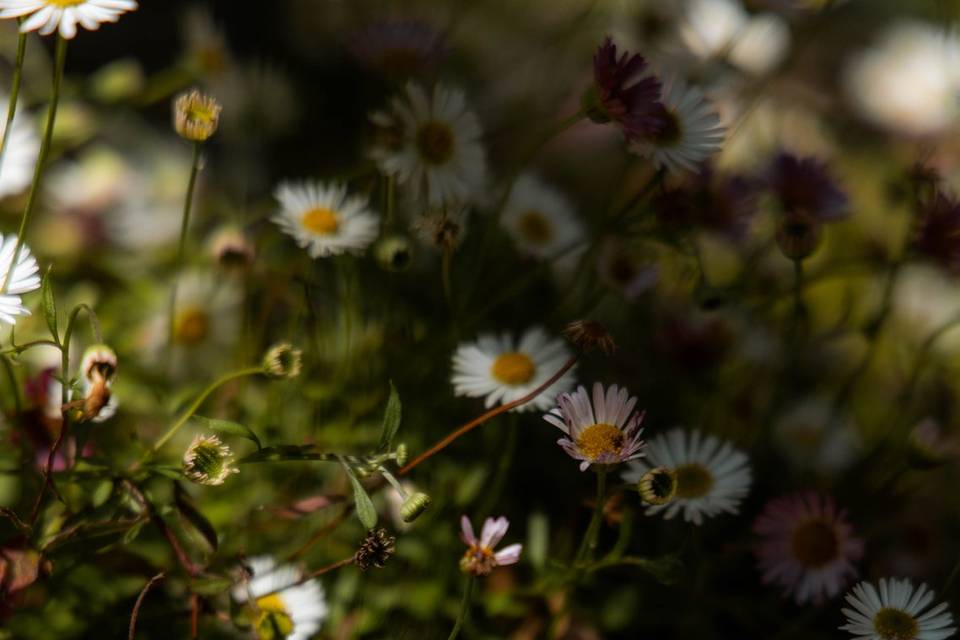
x=20, y=156
x=324, y=219
x=909, y=81
x=762, y=44
x=925, y=300
x=710, y=27
x=811, y=435
x=96, y=181
x=283, y=601
x=542, y=222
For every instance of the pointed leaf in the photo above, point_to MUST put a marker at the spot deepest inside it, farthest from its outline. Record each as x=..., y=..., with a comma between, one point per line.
x=366, y=512
x=49, y=306
x=230, y=428
x=186, y=507
x=391, y=420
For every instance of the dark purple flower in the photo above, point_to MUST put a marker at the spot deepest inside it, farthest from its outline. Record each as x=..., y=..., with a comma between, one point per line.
x=803, y=185
x=938, y=231
x=724, y=204
x=623, y=95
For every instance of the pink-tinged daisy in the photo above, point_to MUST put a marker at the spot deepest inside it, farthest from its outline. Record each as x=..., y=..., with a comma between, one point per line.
x=804, y=185
x=690, y=130
x=623, y=94
x=604, y=432
x=480, y=558
x=712, y=476
x=895, y=611
x=48, y=16
x=807, y=547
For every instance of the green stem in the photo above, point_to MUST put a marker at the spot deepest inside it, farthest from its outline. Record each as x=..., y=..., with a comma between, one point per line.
x=61, y=57
x=590, y=538
x=181, y=246
x=14, y=94
x=14, y=387
x=464, y=607
x=799, y=310
x=182, y=420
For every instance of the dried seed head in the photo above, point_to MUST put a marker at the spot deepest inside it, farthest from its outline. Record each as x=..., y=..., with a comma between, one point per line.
x=587, y=335
x=283, y=361
x=196, y=115
x=375, y=550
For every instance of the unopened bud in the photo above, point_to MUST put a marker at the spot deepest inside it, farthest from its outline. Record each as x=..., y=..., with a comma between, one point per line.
x=414, y=506
x=658, y=486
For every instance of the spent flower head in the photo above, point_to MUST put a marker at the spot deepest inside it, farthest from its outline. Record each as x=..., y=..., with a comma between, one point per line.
x=208, y=461
x=196, y=115
x=375, y=550
x=283, y=361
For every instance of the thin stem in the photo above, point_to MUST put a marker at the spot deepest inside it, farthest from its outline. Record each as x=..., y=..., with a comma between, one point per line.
x=14, y=387
x=131, y=634
x=446, y=265
x=464, y=607
x=589, y=542
x=181, y=246
x=446, y=441
x=14, y=94
x=61, y=57
x=313, y=574
x=799, y=308
x=186, y=415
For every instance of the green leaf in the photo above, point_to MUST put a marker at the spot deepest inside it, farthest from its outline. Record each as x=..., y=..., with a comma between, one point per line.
x=167, y=471
x=365, y=509
x=665, y=569
x=229, y=428
x=49, y=306
x=210, y=586
x=391, y=420
x=186, y=508
x=286, y=452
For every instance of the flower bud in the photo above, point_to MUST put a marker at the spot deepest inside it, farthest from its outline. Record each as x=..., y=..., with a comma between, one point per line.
x=658, y=486
x=283, y=361
x=400, y=454
x=196, y=116
x=207, y=461
x=394, y=253
x=414, y=506
x=798, y=235
x=587, y=335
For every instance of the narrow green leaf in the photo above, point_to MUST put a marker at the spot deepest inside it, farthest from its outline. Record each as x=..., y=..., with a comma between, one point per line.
x=365, y=509
x=49, y=306
x=229, y=428
x=210, y=586
x=391, y=420
x=282, y=452
x=187, y=509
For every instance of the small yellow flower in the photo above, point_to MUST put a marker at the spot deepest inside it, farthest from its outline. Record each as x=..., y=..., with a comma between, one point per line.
x=196, y=115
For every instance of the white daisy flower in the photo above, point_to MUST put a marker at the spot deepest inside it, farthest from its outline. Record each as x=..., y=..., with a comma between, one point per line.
x=23, y=279
x=811, y=435
x=296, y=610
x=895, y=612
x=605, y=432
x=711, y=27
x=540, y=219
x=692, y=131
x=432, y=145
x=502, y=369
x=323, y=219
x=48, y=16
x=712, y=477
x=20, y=156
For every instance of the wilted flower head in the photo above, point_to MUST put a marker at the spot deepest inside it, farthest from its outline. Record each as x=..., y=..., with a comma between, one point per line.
x=283, y=361
x=99, y=363
x=587, y=335
x=805, y=185
x=231, y=248
x=398, y=47
x=480, y=558
x=48, y=16
x=622, y=94
x=938, y=231
x=375, y=550
x=807, y=546
x=207, y=461
x=605, y=432
x=196, y=115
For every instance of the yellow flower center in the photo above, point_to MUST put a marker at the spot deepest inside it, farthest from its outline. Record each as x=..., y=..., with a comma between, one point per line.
x=814, y=543
x=321, y=221
x=894, y=624
x=192, y=325
x=513, y=368
x=274, y=622
x=535, y=227
x=65, y=3
x=435, y=142
x=599, y=439
x=693, y=481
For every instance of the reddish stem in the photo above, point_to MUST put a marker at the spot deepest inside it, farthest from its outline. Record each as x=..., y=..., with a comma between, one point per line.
x=492, y=413
x=136, y=607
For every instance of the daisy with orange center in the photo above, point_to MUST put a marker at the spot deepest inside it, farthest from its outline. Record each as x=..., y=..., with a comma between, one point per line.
x=324, y=219
x=480, y=557
x=605, y=432
x=807, y=547
x=502, y=369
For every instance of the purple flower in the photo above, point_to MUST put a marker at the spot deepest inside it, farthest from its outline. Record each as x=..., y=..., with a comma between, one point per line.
x=480, y=558
x=624, y=96
x=804, y=186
